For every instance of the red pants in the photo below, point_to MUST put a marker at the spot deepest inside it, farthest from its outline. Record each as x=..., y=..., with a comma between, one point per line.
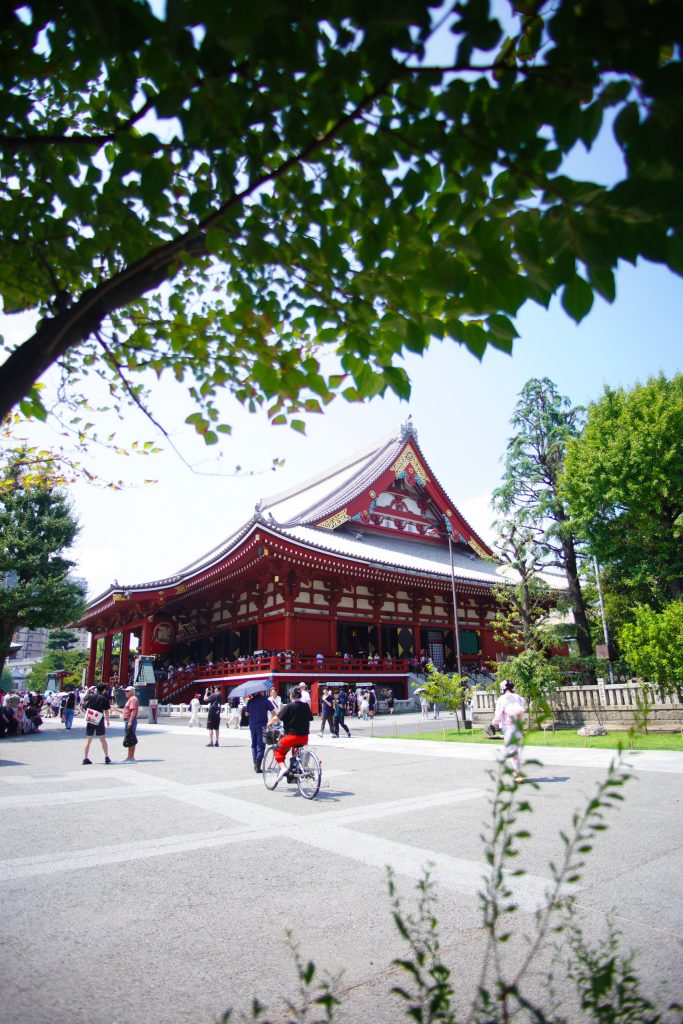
x=286, y=743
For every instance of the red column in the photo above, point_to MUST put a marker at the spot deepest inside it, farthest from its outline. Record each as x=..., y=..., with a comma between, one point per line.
x=123, y=662
x=146, y=638
x=92, y=661
x=106, y=658
x=289, y=627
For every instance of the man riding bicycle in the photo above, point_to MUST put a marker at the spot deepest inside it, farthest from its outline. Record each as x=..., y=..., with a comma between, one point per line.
x=296, y=718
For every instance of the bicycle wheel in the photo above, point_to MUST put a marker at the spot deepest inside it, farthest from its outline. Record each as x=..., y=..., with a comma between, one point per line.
x=309, y=774
x=270, y=768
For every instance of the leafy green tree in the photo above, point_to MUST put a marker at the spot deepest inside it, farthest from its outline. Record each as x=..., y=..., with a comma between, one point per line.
x=71, y=662
x=444, y=688
x=544, y=422
x=36, y=527
x=536, y=677
x=226, y=193
x=6, y=680
x=652, y=645
x=61, y=640
x=623, y=485
x=524, y=604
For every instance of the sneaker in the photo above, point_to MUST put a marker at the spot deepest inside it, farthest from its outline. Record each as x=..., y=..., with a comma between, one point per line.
x=86, y=760
x=216, y=743
x=107, y=760
x=281, y=774
x=209, y=744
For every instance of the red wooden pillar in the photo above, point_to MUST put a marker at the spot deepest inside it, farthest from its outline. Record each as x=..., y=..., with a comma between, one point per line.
x=123, y=661
x=289, y=626
x=106, y=658
x=92, y=661
x=147, y=633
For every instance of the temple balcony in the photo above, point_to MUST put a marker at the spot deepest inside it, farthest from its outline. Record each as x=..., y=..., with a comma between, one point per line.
x=283, y=668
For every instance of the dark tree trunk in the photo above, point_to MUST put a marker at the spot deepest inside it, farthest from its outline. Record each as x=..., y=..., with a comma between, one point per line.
x=6, y=634
x=583, y=635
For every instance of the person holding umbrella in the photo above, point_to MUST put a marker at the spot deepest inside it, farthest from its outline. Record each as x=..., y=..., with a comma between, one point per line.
x=259, y=709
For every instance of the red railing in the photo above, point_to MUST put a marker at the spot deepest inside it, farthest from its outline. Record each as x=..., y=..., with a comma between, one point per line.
x=280, y=663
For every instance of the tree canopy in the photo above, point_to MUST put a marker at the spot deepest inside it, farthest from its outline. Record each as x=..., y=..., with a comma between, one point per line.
x=653, y=645
x=36, y=588
x=529, y=495
x=623, y=484
x=226, y=193
x=523, y=606
x=71, y=662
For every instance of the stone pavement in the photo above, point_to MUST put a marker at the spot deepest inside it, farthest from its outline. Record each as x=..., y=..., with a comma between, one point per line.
x=161, y=891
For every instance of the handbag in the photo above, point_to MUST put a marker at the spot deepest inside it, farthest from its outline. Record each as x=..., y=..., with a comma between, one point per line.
x=93, y=717
x=129, y=738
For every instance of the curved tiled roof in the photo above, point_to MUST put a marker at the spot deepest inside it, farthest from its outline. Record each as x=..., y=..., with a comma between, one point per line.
x=317, y=497
x=292, y=515
x=408, y=555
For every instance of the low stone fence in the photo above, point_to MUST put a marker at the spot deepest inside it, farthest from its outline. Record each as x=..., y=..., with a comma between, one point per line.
x=611, y=705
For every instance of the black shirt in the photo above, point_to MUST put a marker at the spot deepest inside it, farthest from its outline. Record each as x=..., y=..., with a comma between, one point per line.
x=98, y=702
x=296, y=717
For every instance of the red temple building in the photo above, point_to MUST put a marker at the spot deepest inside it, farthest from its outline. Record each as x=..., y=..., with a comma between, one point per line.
x=351, y=576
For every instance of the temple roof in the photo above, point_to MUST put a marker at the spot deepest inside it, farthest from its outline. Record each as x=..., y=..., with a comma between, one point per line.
x=381, y=506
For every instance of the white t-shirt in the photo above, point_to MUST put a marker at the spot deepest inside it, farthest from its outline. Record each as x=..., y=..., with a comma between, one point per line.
x=305, y=695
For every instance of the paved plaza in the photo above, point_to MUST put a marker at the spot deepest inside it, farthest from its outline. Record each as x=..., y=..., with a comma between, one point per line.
x=160, y=892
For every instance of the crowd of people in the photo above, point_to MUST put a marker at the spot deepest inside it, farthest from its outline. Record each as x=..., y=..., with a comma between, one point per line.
x=22, y=714
x=289, y=660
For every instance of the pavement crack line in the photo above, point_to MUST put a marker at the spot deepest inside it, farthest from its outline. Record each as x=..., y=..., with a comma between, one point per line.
x=328, y=831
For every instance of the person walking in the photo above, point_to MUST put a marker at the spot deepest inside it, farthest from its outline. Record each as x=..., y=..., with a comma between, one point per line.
x=364, y=707
x=339, y=707
x=213, y=719
x=234, y=713
x=130, y=712
x=326, y=711
x=424, y=706
x=305, y=694
x=259, y=709
x=69, y=708
x=98, y=701
x=509, y=716
x=195, y=705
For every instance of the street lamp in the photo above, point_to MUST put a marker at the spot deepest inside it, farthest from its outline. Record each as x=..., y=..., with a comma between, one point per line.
x=455, y=597
x=605, y=631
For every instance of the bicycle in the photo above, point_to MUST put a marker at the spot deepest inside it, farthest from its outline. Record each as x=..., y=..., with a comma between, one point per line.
x=304, y=768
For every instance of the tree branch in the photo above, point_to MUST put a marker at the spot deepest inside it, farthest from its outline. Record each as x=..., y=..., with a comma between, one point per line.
x=56, y=336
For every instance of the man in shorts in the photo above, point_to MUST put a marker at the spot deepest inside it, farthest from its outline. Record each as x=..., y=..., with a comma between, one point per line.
x=98, y=701
x=296, y=718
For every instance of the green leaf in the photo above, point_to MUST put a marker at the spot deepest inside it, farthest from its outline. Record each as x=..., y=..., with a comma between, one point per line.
x=215, y=240
x=577, y=298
